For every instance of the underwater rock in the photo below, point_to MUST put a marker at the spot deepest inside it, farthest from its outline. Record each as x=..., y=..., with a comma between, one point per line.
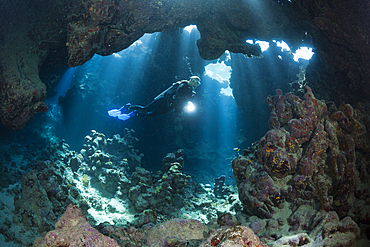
x=301, y=116
x=219, y=188
x=257, y=190
x=280, y=110
x=170, y=158
x=280, y=152
x=125, y=236
x=177, y=178
x=44, y=197
x=306, y=113
x=337, y=71
x=234, y=236
x=146, y=217
x=98, y=150
x=301, y=219
x=141, y=189
x=227, y=219
x=73, y=229
x=340, y=232
x=258, y=226
x=34, y=204
x=24, y=49
x=311, y=162
x=301, y=239
x=22, y=92
x=159, y=195
x=106, y=161
x=181, y=229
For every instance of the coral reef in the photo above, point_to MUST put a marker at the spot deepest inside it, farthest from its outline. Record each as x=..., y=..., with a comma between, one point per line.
x=45, y=195
x=68, y=177
x=101, y=161
x=308, y=166
x=340, y=232
x=99, y=180
x=159, y=195
x=73, y=229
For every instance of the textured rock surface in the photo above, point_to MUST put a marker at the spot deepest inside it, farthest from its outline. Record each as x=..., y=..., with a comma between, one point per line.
x=181, y=229
x=234, y=236
x=44, y=197
x=309, y=165
x=341, y=41
x=73, y=229
x=23, y=50
x=160, y=194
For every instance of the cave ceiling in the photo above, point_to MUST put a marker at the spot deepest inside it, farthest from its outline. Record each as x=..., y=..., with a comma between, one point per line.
x=70, y=32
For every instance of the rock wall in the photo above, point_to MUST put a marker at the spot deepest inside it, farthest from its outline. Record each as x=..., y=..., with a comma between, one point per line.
x=71, y=32
x=310, y=164
x=340, y=70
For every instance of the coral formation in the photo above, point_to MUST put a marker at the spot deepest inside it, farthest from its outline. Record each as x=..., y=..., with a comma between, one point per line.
x=101, y=160
x=99, y=180
x=73, y=229
x=181, y=229
x=304, y=183
x=234, y=236
x=301, y=239
x=340, y=232
x=44, y=196
x=159, y=195
x=219, y=189
x=307, y=166
x=125, y=236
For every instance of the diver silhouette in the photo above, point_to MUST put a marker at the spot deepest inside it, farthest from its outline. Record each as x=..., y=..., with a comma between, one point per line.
x=174, y=97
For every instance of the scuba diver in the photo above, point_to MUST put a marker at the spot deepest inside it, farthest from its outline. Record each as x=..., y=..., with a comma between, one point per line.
x=174, y=97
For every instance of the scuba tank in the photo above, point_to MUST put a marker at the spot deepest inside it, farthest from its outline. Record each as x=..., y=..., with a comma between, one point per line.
x=162, y=95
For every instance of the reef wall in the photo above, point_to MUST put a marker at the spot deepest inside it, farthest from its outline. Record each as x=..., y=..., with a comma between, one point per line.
x=313, y=162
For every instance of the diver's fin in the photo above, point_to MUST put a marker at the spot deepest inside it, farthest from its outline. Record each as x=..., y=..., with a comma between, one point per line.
x=117, y=112
x=114, y=112
x=124, y=117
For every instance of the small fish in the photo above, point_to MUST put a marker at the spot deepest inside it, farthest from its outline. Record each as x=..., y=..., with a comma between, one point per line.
x=236, y=149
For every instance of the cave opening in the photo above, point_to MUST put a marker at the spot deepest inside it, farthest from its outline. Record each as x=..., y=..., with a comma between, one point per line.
x=217, y=126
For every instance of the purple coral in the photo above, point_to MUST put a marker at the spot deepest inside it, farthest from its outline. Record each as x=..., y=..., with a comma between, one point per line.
x=281, y=111
x=316, y=155
x=73, y=229
x=340, y=233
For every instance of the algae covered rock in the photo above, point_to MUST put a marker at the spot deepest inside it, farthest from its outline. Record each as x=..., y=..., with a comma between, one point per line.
x=237, y=236
x=159, y=192
x=73, y=229
x=182, y=229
